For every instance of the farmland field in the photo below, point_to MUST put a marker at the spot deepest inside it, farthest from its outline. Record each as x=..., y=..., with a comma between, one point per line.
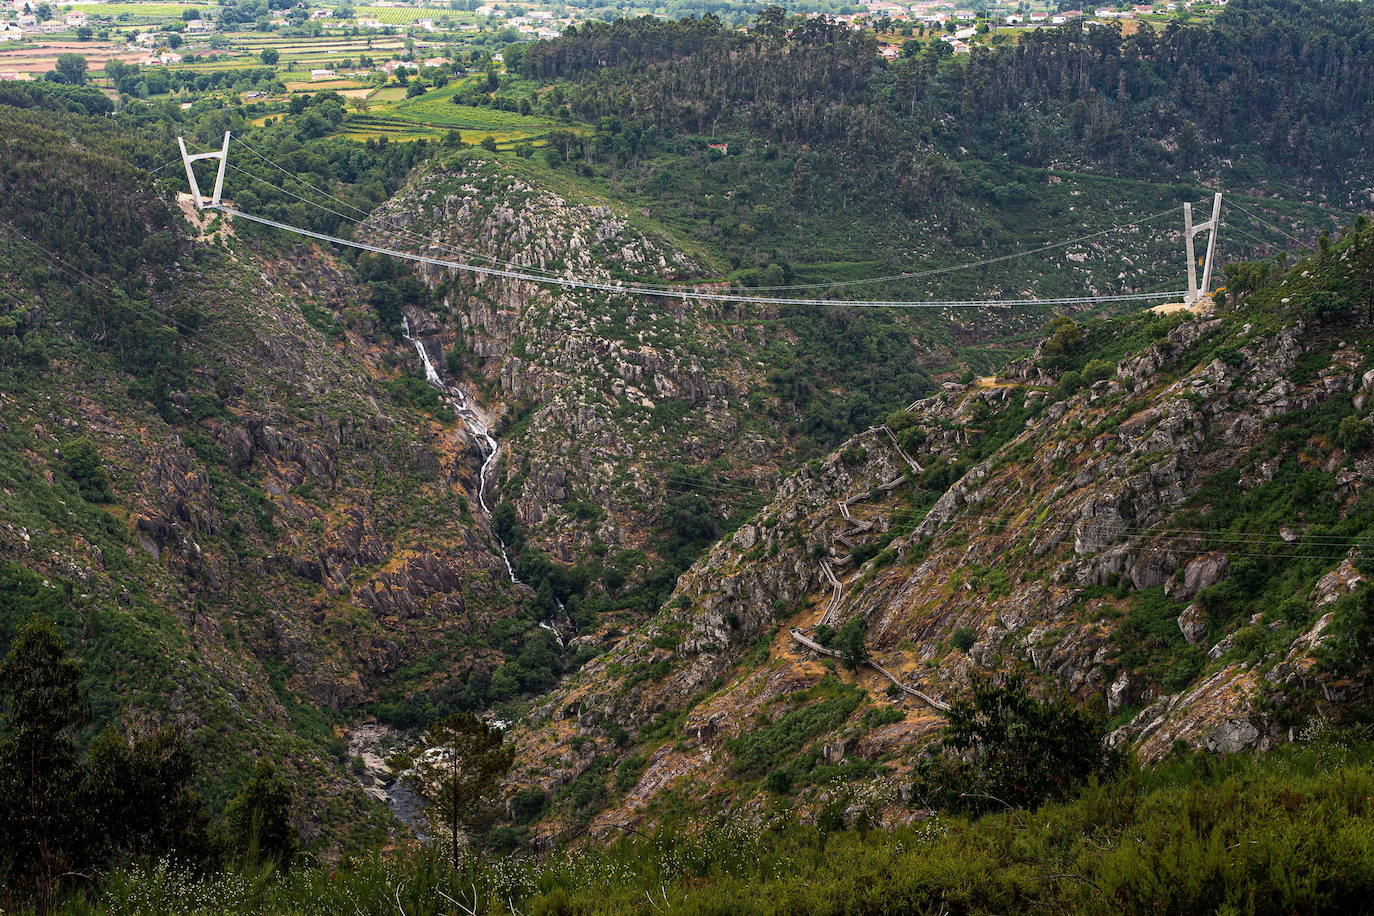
x=403, y=15
x=150, y=12
x=321, y=85
x=435, y=109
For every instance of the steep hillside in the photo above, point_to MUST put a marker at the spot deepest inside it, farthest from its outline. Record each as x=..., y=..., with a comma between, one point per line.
x=1161, y=514
x=229, y=482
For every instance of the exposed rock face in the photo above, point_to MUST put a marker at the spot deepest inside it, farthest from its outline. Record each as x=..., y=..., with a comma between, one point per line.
x=1192, y=623
x=1037, y=551
x=612, y=388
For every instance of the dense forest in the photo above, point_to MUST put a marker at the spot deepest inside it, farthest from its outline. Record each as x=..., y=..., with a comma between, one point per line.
x=1275, y=90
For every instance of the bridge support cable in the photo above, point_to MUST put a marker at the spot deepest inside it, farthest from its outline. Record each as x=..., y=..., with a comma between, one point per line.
x=691, y=294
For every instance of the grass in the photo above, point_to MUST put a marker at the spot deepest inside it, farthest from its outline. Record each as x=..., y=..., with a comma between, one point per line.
x=1292, y=831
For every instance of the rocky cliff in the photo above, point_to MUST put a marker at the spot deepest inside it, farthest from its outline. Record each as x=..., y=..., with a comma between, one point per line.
x=1160, y=515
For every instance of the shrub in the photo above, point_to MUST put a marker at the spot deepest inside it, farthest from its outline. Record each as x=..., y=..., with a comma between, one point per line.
x=962, y=639
x=86, y=468
x=1354, y=434
x=1096, y=370
x=528, y=804
x=1065, y=339
x=1016, y=750
x=1069, y=382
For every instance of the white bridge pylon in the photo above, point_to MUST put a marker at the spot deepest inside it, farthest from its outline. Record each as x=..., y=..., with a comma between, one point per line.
x=1190, y=231
x=186, y=160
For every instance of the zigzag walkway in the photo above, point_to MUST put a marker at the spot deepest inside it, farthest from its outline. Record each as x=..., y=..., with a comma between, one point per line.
x=832, y=608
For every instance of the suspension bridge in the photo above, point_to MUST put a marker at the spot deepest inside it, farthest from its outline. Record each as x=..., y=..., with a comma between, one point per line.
x=1197, y=290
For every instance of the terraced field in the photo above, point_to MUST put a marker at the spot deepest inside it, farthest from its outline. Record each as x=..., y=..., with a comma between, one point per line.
x=434, y=114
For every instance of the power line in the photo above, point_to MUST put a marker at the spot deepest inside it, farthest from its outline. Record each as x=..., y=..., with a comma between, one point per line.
x=739, y=495
x=1266, y=222
x=908, y=275
x=914, y=275
x=98, y=286
x=367, y=217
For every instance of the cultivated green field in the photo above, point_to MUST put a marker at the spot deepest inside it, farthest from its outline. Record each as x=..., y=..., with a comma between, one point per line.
x=403, y=15
x=435, y=110
x=149, y=12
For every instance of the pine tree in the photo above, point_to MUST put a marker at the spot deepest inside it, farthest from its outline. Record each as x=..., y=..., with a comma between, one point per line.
x=258, y=821
x=41, y=825
x=458, y=773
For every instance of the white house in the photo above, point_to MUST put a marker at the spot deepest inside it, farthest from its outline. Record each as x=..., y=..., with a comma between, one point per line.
x=9, y=75
x=366, y=23
x=540, y=14
x=1014, y=19
x=76, y=19
x=963, y=34
x=426, y=24
x=547, y=34
x=1039, y=17
x=321, y=14
x=169, y=57
x=10, y=32
x=196, y=26
x=322, y=74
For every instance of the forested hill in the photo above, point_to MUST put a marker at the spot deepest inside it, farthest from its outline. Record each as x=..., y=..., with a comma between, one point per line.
x=1275, y=90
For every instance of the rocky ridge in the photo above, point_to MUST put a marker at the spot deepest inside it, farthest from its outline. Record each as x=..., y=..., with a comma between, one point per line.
x=1106, y=539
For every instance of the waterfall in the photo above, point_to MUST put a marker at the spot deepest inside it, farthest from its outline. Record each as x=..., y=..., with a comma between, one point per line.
x=457, y=399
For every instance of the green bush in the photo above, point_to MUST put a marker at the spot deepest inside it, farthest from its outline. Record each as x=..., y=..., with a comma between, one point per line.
x=1096, y=370
x=1354, y=434
x=962, y=639
x=1015, y=750
x=86, y=468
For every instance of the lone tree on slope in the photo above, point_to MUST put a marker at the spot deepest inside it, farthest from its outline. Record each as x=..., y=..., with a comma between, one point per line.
x=458, y=773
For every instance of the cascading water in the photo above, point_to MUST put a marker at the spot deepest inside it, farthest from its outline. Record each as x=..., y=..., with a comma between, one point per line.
x=458, y=399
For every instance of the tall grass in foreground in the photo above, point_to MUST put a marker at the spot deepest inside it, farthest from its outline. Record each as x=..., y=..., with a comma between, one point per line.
x=1290, y=832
